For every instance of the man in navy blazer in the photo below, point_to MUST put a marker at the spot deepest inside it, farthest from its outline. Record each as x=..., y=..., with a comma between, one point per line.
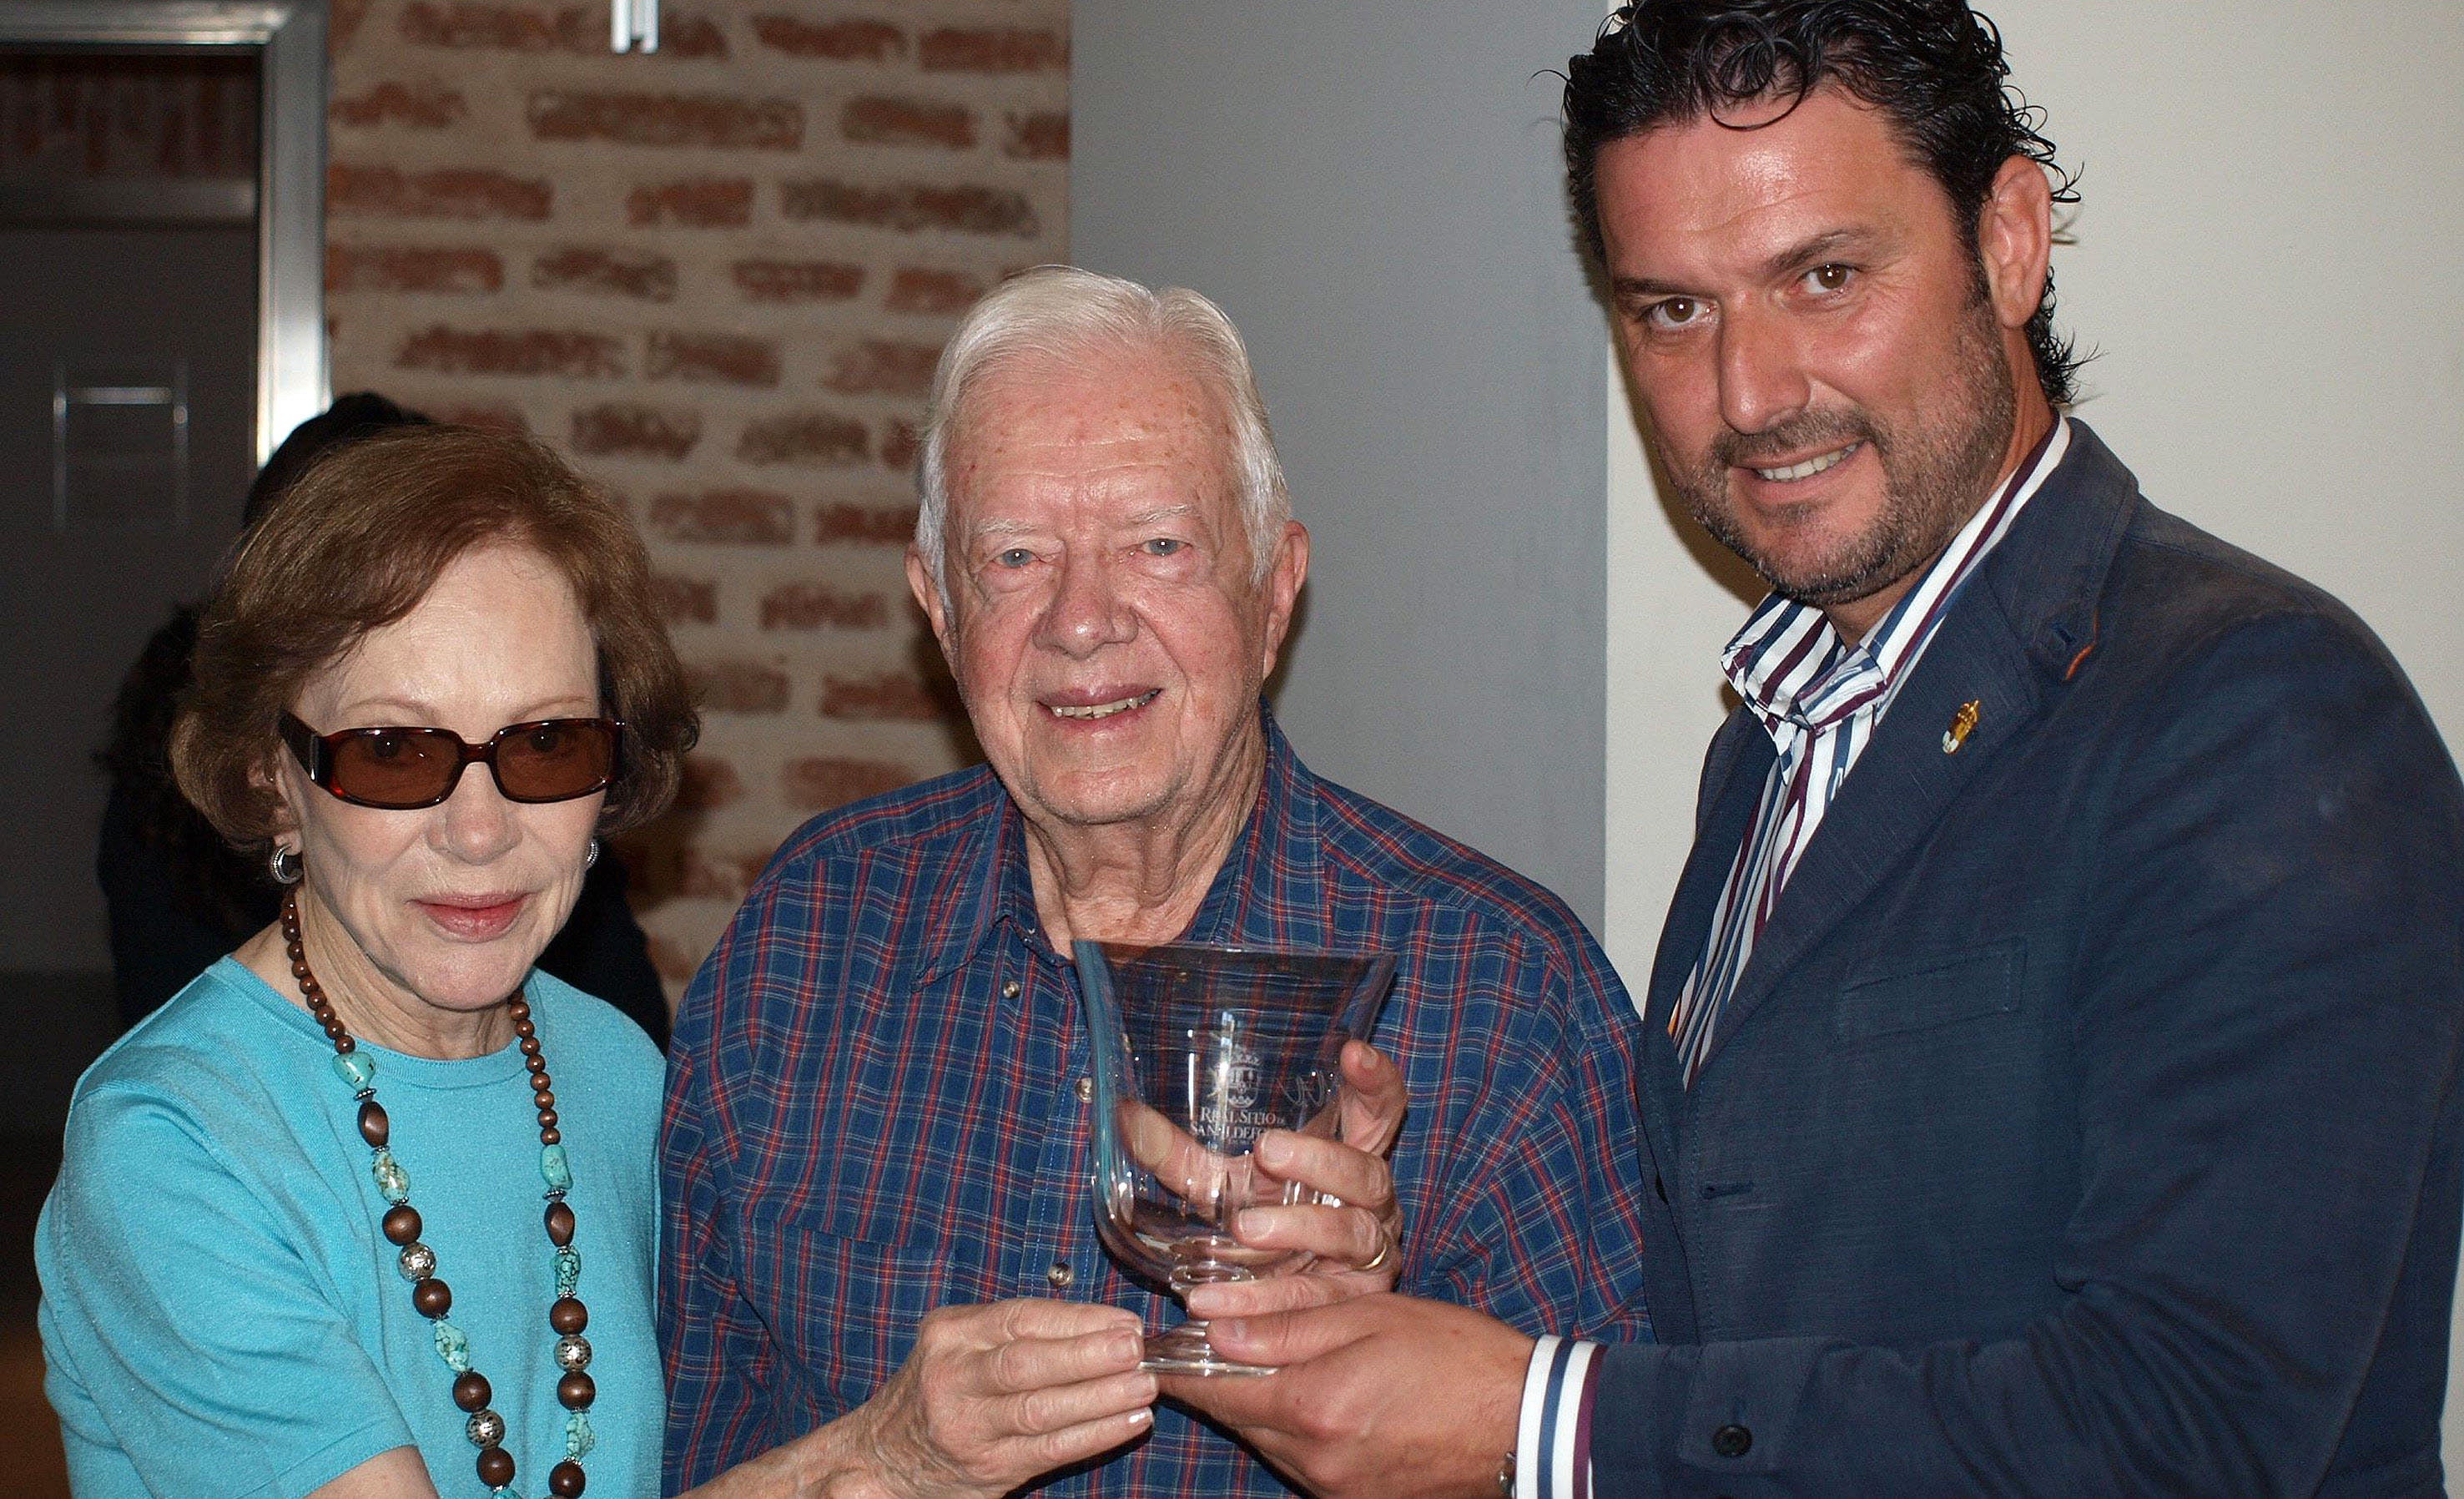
x=2063, y=1002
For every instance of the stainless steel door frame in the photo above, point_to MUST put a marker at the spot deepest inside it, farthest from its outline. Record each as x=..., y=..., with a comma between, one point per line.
x=291, y=381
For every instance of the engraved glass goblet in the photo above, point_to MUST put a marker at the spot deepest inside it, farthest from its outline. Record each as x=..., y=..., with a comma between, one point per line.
x=1195, y=1052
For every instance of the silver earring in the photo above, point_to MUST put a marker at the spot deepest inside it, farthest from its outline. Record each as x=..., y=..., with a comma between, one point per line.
x=590, y=855
x=284, y=865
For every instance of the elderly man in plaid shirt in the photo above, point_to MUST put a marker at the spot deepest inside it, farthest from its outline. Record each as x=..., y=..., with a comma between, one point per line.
x=877, y=1220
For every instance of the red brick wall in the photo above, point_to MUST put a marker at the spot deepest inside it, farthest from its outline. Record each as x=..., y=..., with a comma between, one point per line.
x=717, y=276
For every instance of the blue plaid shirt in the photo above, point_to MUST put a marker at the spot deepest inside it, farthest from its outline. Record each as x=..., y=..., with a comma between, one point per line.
x=873, y=1107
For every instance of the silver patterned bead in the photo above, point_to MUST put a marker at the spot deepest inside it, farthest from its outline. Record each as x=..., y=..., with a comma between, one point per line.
x=573, y=1352
x=485, y=1429
x=418, y=1262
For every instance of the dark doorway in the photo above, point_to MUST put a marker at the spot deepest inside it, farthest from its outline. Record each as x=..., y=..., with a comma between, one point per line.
x=127, y=427
x=137, y=394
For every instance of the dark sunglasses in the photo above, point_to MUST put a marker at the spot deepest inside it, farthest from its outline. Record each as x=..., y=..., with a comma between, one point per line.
x=553, y=759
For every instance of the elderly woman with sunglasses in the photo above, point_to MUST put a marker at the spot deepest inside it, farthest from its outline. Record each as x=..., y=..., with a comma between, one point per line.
x=369, y=1210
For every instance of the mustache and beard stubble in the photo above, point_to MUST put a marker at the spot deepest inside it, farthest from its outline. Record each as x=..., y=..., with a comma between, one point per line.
x=1936, y=471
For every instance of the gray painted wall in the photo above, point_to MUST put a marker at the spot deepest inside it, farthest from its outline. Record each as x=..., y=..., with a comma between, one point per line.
x=1371, y=191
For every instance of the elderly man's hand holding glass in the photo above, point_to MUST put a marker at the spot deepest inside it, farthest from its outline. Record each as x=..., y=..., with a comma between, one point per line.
x=1354, y=1233
x=1245, y=1128
x=1338, y=1218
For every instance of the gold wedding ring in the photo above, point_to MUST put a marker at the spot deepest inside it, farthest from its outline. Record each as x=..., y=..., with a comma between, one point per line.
x=1385, y=1252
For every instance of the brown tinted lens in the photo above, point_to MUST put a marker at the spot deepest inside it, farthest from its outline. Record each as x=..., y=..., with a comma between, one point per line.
x=549, y=762
x=396, y=767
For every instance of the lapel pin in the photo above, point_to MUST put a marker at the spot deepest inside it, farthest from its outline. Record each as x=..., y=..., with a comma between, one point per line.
x=1963, y=724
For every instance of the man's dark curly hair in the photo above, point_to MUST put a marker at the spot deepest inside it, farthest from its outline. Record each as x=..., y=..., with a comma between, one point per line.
x=1934, y=67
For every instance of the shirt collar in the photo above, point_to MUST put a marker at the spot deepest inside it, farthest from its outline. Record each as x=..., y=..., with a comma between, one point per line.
x=981, y=882
x=1268, y=876
x=1266, y=893
x=1789, y=665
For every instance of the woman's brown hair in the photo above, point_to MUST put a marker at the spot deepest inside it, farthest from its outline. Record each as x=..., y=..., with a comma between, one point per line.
x=355, y=546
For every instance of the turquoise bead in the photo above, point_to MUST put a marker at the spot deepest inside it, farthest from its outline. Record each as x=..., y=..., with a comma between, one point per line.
x=356, y=1071
x=555, y=1169
x=391, y=1179
x=579, y=1438
x=453, y=1347
x=568, y=1271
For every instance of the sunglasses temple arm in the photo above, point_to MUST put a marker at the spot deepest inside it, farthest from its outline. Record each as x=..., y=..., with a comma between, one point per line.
x=308, y=749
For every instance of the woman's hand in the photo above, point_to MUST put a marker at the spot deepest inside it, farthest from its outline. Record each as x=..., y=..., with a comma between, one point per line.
x=992, y=1397
x=995, y=1395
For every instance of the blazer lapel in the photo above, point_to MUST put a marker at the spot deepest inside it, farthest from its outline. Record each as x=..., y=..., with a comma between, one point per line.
x=1900, y=789
x=2025, y=621
x=1733, y=774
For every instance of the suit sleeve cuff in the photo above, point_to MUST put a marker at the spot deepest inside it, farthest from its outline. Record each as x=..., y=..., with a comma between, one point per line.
x=1552, y=1442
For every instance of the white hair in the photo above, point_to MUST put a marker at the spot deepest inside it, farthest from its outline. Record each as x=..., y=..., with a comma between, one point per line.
x=1063, y=313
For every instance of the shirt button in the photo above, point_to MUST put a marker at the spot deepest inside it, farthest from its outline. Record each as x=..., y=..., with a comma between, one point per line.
x=1009, y=990
x=1085, y=1089
x=1733, y=1440
x=1060, y=1274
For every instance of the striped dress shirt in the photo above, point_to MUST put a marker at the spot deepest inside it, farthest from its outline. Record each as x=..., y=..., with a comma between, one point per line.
x=1821, y=698
x=874, y=1106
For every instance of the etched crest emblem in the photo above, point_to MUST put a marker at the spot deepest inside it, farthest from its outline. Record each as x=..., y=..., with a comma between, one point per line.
x=1242, y=1072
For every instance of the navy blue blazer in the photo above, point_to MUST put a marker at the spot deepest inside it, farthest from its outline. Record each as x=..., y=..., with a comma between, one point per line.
x=2087, y=1120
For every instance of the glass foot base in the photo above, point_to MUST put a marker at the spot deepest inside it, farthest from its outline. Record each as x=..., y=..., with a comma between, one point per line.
x=1184, y=1349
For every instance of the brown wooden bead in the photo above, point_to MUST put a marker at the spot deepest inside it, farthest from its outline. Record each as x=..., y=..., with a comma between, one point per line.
x=431, y=1297
x=551, y=1137
x=496, y=1466
x=539, y=1082
x=374, y=1127
x=568, y=1316
x=559, y=1225
x=565, y=1480
x=402, y=1224
x=470, y=1391
x=530, y=1048
x=547, y=1118
x=346, y=1044
x=576, y=1391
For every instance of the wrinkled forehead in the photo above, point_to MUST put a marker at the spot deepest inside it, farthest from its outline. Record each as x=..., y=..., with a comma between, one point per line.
x=1145, y=416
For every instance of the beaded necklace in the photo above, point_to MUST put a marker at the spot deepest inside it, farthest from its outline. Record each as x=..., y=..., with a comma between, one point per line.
x=430, y=1297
